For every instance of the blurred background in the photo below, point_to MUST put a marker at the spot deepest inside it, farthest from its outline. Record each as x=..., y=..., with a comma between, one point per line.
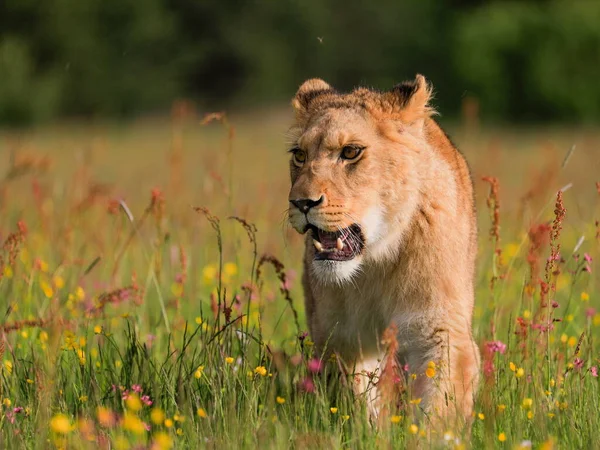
x=528, y=60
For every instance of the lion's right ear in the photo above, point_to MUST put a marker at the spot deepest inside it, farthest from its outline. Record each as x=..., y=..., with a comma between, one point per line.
x=309, y=90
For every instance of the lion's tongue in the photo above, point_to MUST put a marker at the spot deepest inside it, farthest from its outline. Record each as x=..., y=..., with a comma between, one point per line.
x=328, y=239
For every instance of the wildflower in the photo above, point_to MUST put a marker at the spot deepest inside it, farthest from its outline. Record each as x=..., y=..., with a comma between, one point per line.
x=229, y=360
x=8, y=272
x=527, y=403
x=430, y=372
x=448, y=436
x=79, y=293
x=396, y=419
x=8, y=366
x=209, y=273
x=578, y=363
x=60, y=424
x=105, y=416
x=585, y=296
x=47, y=289
x=133, y=403
x=133, y=423
x=280, y=400
x=594, y=371
x=29, y=381
x=198, y=320
x=315, y=365
x=198, y=372
x=162, y=441
x=512, y=366
x=414, y=429
x=415, y=401
x=481, y=416
x=307, y=385
x=179, y=432
x=201, y=413
x=58, y=281
x=261, y=370
x=7, y=402
x=501, y=407
x=530, y=415
x=572, y=341
x=230, y=269
x=333, y=410
x=496, y=346
x=502, y=437
x=98, y=329
x=157, y=416
x=83, y=398
x=345, y=416
x=169, y=422
x=526, y=314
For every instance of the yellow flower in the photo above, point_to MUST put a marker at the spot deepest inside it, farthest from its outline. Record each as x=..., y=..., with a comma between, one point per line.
x=47, y=289
x=79, y=293
x=177, y=289
x=58, y=281
x=564, y=338
x=527, y=403
x=198, y=372
x=569, y=318
x=280, y=400
x=8, y=272
x=168, y=423
x=502, y=437
x=83, y=398
x=162, y=441
x=179, y=418
x=481, y=416
x=133, y=403
x=230, y=269
x=6, y=402
x=520, y=372
x=198, y=320
x=345, y=417
x=229, y=360
x=430, y=372
x=530, y=415
x=98, y=329
x=333, y=410
x=526, y=314
x=261, y=370
x=512, y=366
x=415, y=401
x=551, y=415
x=29, y=381
x=8, y=366
x=60, y=424
x=43, y=265
x=157, y=416
x=105, y=416
x=201, y=413
x=572, y=341
x=395, y=419
x=414, y=429
x=585, y=296
x=133, y=423
x=552, y=382
x=209, y=274
x=118, y=363
x=501, y=407
x=563, y=405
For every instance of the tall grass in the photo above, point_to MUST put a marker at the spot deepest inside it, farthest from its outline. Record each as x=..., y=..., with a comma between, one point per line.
x=139, y=317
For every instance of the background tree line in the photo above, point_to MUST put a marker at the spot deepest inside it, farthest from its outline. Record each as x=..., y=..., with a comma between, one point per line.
x=523, y=60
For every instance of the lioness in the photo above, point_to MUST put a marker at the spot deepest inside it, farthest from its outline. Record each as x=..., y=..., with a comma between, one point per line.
x=386, y=203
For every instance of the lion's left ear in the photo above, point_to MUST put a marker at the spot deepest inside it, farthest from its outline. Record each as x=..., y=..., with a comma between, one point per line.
x=308, y=91
x=410, y=100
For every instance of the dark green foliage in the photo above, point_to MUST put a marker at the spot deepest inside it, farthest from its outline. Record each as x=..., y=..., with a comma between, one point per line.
x=526, y=60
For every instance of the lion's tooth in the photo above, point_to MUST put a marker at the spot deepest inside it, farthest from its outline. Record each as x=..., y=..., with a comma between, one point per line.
x=318, y=245
x=339, y=244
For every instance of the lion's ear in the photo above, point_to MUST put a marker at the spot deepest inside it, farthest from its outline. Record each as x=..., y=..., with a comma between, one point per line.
x=309, y=90
x=411, y=99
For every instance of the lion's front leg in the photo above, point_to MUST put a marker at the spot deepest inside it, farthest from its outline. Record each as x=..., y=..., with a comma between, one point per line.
x=447, y=374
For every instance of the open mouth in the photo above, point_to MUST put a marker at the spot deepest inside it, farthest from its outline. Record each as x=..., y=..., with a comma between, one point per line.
x=342, y=245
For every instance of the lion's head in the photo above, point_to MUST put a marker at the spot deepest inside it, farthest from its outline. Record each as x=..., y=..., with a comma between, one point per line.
x=355, y=172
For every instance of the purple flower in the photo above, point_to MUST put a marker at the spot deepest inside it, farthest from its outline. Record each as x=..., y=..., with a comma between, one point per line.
x=496, y=346
x=315, y=365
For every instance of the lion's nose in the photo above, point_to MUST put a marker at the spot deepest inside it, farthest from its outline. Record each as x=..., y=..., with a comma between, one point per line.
x=305, y=204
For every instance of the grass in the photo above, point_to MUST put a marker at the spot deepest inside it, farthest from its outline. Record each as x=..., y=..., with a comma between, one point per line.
x=150, y=295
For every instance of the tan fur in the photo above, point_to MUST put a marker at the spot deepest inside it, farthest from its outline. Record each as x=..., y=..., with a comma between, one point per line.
x=411, y=192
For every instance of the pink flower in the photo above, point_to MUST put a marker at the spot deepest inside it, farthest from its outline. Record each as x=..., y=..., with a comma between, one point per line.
x=588, y=258
x=555, y=304
x=136, y=388
x=594, y=371
x=315, y=365
x=578, y=363
x=307, y=385
x=496, y=346
x=146, y=400
x=590, y=312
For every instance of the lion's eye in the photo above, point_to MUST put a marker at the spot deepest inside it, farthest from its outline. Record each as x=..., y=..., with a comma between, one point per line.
x=299, y=156
x=351, y=152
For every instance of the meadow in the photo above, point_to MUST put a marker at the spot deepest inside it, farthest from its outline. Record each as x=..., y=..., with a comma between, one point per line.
x=150, y=292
